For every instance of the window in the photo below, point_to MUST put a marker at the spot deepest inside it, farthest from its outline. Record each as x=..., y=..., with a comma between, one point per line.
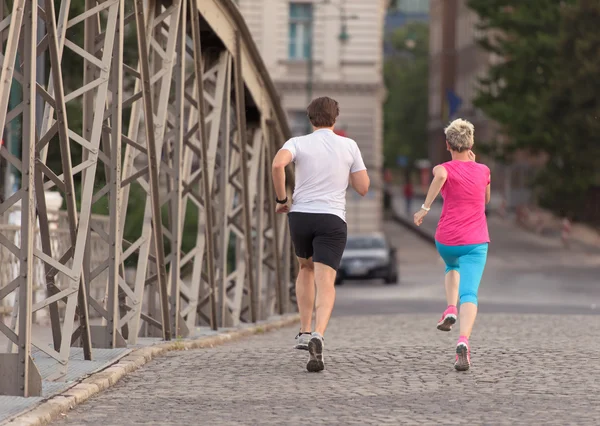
x=300, y=37
x=413, y=6
x=363, y=243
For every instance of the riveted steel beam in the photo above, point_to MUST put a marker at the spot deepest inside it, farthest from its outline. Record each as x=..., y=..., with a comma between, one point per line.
x=191, y=155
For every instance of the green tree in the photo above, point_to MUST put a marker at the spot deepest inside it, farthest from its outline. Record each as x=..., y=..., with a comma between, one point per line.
x=406, y=79
x=525, y=35
x=544, y=93
x=571, y=112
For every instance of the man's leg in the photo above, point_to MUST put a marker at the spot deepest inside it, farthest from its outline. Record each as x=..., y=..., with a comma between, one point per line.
x=301, y=231
x=305, y=293
x=325, y=280
x=328, y=247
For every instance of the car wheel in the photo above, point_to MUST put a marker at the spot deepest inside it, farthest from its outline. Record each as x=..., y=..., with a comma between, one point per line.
x=392, y=277
x=391, y=280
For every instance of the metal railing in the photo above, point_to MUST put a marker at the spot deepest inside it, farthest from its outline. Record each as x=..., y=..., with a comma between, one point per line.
x=60, y=243
x=186, y=103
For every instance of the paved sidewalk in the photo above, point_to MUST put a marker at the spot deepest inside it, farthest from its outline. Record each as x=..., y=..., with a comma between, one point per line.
x=395, y=369
x=85, y=378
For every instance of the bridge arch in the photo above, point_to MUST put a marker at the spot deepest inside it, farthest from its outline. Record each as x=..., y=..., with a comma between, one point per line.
x=152, y=125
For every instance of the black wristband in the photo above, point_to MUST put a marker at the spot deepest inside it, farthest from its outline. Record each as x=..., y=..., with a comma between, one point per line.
x=285, y=200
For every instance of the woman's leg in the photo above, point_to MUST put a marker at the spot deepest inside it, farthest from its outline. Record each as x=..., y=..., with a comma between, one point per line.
x=468, y=313
x=451, y=282
x=472, y=266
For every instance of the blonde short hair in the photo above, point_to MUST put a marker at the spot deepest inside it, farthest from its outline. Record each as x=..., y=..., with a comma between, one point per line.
x=460, y=135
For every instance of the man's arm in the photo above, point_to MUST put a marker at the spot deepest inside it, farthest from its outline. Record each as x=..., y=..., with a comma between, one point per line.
x=360, y=181
x=359, y=178
x=281, y=160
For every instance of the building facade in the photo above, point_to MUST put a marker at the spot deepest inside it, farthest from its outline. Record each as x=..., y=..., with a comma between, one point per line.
x=329, y=48
x=456, y=62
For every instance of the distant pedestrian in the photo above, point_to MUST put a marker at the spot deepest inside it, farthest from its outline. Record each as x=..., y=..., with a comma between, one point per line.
x=462, y=234
x=409, y=193
x=387, y=176
x=325, y=164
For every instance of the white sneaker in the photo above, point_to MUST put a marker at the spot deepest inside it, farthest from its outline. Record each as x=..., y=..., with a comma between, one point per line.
x=315, y=353
x=302, y=340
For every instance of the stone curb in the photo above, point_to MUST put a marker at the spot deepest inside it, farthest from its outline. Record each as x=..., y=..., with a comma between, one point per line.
x=52, y=408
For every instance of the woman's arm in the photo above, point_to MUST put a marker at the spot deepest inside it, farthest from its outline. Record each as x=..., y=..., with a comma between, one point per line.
x=440, y=174
x=488, y=190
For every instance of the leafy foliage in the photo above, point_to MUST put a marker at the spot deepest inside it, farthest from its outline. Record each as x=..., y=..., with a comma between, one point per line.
x=405, y=109
x=571, y=112
x=543, y=92
x=72, y=73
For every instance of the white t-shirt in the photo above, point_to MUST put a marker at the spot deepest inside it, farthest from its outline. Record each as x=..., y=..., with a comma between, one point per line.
x=324, y=162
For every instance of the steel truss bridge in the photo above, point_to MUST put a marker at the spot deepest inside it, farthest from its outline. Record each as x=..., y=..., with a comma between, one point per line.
x=175, y=100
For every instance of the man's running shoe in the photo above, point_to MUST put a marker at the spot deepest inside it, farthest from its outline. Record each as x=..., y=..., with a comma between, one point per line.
x=315, y=354
x=302, y=340
x=448, y=319
x=463, y=355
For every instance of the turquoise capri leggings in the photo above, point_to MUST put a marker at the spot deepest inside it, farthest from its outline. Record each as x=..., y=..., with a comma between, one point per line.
x=469, y=261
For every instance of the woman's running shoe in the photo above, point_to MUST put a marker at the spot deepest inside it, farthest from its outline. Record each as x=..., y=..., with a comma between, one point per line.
x=448, y=319
x=463, y=355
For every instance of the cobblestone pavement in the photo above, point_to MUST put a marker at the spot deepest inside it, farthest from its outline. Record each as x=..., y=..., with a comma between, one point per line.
x=394, y=369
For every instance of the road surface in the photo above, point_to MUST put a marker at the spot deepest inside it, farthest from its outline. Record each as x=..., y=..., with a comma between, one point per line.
x=385, y=361
x=524, y=275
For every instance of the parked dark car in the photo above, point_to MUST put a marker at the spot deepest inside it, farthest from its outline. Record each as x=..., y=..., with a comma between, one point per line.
x=368, y=256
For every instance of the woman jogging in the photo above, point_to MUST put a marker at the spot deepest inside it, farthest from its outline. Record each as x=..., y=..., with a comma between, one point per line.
x=462, y=234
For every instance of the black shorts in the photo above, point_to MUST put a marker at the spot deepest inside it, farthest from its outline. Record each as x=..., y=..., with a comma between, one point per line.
x=320, y=236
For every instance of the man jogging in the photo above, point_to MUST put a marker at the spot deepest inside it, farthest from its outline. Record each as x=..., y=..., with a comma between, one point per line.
x=325, y=164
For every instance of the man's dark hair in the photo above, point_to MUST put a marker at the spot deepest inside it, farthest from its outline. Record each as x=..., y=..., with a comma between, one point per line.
x=322, y=112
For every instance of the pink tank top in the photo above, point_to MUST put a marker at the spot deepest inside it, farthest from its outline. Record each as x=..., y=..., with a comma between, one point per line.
x=463, y=220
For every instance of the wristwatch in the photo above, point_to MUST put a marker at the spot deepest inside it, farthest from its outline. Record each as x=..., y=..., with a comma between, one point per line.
x=284, y=201
x=425, y=208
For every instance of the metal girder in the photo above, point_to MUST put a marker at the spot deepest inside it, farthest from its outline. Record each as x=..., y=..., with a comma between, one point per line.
x=207, y=173
x=94, y=93
x=206, y=247
x=18, y=373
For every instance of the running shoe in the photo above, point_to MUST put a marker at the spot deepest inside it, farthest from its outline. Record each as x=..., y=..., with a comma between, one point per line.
x=448, y=319
x=302, y=340
x=463, y=355
x=315, y=353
